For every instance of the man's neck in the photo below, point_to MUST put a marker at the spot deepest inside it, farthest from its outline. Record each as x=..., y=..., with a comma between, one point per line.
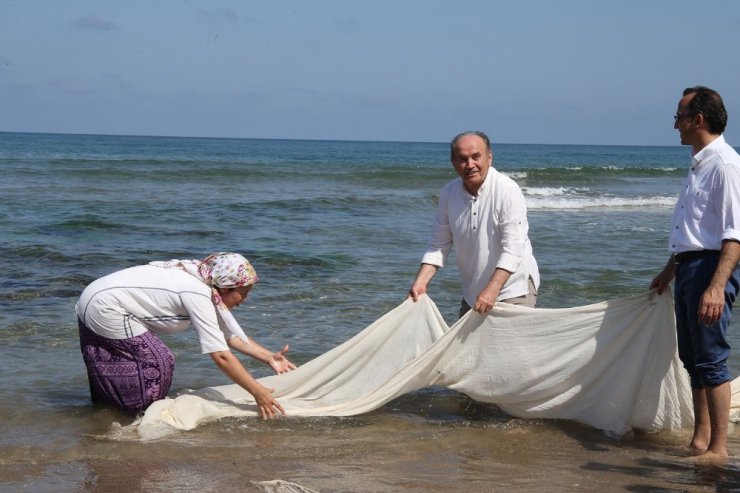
x=703, y=140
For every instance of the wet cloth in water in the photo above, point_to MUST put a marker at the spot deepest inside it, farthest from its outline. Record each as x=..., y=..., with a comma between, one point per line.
x=612, y=365
x=127, y=373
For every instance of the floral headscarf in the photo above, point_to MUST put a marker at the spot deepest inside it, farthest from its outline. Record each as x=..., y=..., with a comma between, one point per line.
x=219, y=270
x=226, y=270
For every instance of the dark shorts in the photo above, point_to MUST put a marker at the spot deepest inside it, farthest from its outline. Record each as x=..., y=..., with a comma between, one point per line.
x=703, y=349
x=129, y=374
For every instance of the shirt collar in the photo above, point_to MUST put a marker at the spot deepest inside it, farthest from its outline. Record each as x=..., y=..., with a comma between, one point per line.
x=697, y=158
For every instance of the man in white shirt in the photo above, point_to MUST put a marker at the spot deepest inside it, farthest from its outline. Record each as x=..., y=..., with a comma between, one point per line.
x=705, y=248
x=483, y=214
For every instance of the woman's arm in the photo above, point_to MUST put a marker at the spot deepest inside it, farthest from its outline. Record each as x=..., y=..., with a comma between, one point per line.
x=233, y=368
x=277, y=360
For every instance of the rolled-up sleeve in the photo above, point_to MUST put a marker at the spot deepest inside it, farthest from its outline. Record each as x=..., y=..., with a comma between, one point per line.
x=513, y=228
x=440, y=241
x=729, y=202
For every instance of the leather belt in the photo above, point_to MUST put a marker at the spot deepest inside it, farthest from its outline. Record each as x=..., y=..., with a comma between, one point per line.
x=680, y=258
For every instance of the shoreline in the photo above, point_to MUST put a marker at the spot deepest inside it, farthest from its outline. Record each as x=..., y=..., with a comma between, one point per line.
x=415, y=443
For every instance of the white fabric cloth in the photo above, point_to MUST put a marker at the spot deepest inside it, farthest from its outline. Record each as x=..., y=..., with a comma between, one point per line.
x=612, y=365
x=488, y=231
x=708, y=209
x=131, y=301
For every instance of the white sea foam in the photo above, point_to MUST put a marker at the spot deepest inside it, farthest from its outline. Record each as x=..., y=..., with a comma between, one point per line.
x=281, y=486
x=575, y=203
x=548, y=191
x=569, y=198
x=516, y=175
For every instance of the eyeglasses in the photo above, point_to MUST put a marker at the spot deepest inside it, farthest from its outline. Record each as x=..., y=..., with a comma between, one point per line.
x=678, y=116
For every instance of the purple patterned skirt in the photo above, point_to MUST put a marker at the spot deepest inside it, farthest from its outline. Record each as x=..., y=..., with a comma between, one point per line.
x=129, y=374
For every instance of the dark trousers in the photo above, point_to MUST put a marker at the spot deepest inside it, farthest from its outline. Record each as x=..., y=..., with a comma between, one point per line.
x=703, y=349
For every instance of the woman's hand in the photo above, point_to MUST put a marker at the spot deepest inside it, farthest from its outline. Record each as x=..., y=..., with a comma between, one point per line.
x=267, y=406
x=266, y=403
x=279, y=362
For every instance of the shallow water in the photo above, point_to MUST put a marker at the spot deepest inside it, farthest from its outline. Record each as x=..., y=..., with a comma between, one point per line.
x=424, y=442
x=336, y=231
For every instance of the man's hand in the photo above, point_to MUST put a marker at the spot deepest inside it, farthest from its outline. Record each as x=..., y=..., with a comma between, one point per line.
x=485, y=301
x=711, y=304
x=663, y=280
x=423, y=277
x=488, y=296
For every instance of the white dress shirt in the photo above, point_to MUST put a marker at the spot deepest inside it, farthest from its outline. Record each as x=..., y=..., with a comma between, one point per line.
x=488, y=231
x=708, y=208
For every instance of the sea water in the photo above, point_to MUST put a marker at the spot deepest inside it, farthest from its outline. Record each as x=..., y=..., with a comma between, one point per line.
x=336, y=231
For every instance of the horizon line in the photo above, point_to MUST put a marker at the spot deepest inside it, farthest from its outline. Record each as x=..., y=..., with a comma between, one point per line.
x=152, y=136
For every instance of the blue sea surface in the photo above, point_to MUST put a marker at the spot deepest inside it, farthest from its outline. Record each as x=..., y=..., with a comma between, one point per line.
x=335, y=229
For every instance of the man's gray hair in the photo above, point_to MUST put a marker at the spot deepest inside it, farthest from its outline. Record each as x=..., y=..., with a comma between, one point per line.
x=477, y=133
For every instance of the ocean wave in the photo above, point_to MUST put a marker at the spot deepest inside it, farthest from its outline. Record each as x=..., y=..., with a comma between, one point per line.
x=563, y=202
x=516, y=175
x=550, y=191
x=599, y=171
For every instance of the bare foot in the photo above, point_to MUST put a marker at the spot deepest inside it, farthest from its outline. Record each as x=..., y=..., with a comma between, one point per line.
x=712, y=458
x=693, y=450
x=690, y=450
x=698, y=445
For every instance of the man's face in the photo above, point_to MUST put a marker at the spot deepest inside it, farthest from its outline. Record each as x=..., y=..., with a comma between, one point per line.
x=685, y=121
x=472, y=160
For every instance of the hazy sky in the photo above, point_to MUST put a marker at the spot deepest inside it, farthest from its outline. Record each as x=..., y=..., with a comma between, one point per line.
x=544, y=71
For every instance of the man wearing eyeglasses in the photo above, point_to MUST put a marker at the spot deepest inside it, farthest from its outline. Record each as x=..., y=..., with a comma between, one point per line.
x=705, y=248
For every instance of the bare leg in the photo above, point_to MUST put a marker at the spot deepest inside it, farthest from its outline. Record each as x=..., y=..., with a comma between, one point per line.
x=718, y=404
x=702, y=427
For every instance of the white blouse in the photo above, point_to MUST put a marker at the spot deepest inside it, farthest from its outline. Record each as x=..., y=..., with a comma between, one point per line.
x=131, y=301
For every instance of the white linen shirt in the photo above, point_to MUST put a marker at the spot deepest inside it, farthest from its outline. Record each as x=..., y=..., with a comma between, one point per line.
x=488, y=231
x=708, y=208
x=132, y=301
